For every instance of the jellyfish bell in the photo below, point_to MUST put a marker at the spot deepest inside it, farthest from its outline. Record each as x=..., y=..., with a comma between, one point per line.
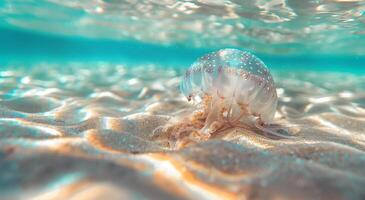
x=235, y=87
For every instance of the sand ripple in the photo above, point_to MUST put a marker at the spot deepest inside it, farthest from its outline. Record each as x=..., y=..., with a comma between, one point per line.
x=81, y=132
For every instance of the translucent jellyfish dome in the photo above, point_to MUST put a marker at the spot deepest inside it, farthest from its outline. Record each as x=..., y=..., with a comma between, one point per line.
x=235, y=85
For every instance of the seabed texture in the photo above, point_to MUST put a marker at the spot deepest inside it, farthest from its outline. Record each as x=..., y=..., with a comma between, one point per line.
x=86, y=132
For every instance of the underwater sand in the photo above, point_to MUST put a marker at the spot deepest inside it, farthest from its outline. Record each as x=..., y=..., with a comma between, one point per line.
x=77, y=131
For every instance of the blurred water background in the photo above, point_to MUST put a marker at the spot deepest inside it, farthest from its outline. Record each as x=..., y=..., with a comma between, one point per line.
x=291, y=34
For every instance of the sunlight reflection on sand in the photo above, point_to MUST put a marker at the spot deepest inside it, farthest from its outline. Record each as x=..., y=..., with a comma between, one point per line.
x=86, y=133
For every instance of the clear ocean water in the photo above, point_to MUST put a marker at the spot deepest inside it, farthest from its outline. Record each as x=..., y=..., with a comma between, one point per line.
x=90, y=105
x=323, y=35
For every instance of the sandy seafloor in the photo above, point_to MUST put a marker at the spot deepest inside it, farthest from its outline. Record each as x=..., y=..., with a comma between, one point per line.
x=84, y=131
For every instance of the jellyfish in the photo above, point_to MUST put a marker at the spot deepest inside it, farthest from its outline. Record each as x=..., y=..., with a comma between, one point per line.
x=229, y=88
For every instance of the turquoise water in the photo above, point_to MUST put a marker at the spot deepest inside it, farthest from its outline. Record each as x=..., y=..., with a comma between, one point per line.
x=21, y=47
x=310, y=35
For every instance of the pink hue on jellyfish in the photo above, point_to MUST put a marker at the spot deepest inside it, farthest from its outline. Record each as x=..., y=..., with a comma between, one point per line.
x=234, y=87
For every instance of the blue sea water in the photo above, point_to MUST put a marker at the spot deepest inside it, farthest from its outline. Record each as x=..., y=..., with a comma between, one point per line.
x=290, y=35
x=22, y=47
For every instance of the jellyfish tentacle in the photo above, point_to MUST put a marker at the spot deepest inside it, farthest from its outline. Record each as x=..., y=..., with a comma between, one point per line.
x=262, y=127
x=242, y=113
x=212, y=116
x=229, y=112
